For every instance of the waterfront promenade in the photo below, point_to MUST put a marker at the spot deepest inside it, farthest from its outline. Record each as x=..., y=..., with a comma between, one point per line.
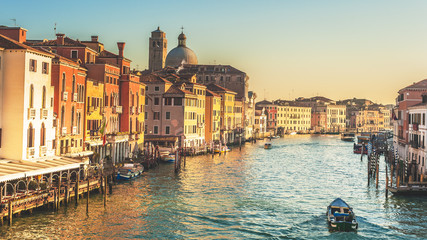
x=252, y=193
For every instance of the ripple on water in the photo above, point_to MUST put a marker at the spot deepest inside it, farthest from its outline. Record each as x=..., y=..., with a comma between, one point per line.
x=281, y=193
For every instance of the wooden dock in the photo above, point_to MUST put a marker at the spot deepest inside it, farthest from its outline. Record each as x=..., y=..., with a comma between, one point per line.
x=411, y=188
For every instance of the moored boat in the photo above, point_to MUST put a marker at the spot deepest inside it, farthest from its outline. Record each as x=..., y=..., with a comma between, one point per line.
x=168, y=158
x=348, y=137
x=268, y=146
x=340, y=216
x=129, y=171
x=361, y=141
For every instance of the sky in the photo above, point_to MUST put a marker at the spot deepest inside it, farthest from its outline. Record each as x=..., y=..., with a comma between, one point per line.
x=290, y=48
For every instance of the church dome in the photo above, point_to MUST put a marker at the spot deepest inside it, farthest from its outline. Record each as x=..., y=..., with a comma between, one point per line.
x=181, y=54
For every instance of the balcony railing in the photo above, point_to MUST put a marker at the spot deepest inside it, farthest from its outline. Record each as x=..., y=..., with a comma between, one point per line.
x=75, y=96
x=31, y=151
x=64, y=131
x=64, y=96
x=44, y=113
x=31, y=113
x=43, y=151
x=74, y=130
x=132, y=110
x=118, y=109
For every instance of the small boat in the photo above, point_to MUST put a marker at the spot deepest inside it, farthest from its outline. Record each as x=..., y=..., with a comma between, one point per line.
x=168, y=158
x=129, y=171
x=268, y=146
x=340, y=216
x=275, y=137
x=348, y=137
x=222, y=149
x=293, y=133
x=361, y=141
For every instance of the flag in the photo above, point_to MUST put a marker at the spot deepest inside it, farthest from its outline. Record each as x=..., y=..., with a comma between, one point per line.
x=104, y=140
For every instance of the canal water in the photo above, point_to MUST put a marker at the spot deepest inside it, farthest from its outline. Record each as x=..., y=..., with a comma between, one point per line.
x=281, y=193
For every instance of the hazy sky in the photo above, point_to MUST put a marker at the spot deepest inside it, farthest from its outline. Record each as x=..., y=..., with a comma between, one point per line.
x=338, y=49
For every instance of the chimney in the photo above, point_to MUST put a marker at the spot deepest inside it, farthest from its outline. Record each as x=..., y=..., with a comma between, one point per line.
x=94, y=38
x=60, y=38
x=16, y=33
x=121, y=46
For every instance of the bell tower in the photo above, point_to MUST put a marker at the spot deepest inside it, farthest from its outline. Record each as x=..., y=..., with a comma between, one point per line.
x=157, y=50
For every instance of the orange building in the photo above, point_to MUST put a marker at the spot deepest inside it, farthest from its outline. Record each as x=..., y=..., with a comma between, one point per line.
x=69, y=81
x=132, y=118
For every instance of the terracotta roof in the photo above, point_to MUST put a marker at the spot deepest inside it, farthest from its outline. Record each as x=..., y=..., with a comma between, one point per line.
x=197, y=68
x=61, y=58
x=9, y=43
x=264, y=102
x=67, y=42
x=210, y=93
x=177, y=90
x=216, y=88
x=421, y=85
x=153, y=78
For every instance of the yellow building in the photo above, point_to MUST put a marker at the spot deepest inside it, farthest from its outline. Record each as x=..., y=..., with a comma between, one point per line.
x=94, y=105
x=293, y=118
x=227, y=112
x=213, y=115
x=200, y=91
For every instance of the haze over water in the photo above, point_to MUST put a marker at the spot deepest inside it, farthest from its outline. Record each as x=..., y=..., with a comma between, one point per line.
x=255, y=193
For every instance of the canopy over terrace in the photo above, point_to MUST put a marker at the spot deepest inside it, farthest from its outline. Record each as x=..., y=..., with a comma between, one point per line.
x=14, y=169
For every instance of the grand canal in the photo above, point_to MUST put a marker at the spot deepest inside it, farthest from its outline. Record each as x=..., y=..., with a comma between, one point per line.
x=252, y=193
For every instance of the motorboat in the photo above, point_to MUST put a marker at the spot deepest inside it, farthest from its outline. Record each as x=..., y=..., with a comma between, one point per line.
x=361, y=141
x=268, y=146
x=168, y=158
x=129, y=171
x=340, y=216
x=222, y=149
x=348, y=137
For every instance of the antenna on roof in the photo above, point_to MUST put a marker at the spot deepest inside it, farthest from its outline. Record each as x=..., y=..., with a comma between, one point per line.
x=182, y=29
x=54, y=29
x=14, y=21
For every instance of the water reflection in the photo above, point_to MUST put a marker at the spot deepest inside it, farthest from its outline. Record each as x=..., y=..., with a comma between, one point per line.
x=255, y=193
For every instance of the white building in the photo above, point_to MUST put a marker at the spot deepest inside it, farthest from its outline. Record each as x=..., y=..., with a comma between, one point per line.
x=417, y=136
x=26, y=98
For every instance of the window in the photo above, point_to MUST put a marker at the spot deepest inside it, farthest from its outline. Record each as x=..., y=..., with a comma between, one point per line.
x=74, y=54
x=168, y=101
x=33, y=65
x=44, y=97
x=45, y=69
x=156, y=101
x=177, y=101
x=31, y=96
x=168, y=115
x=74, y=84
x=30, y=134
x=42, y=135
x=167, y=130
x=156, y=88
x=72, y=117
x=156, y=116
x=63, y=82
x=62, y=116
x=156, y=129
x=146, y=115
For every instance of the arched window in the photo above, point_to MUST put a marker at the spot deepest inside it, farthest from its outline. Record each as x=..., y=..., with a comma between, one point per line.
x=44, y=97
x=62, y=116
x=43, y=135
x=72, y=117
x=63, y=82
x=111, y=100
x=74, y=84
x=31, y=96
x=30, y=136
x=78, y=122
x=154, y=43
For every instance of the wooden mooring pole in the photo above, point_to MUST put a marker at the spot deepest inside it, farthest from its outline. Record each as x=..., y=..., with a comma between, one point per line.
x=87, y=200
x=386, y=180
x=10, y=212
x=376, y=171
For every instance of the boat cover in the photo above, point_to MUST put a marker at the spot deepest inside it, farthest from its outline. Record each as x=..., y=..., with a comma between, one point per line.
x=339, y=203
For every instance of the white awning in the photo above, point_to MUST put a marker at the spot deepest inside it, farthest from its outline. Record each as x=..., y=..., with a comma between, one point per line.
x=14, y=169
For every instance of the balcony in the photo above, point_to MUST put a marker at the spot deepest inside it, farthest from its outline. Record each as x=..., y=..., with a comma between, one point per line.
x=200, y=125
x=75, y=130
x=44, y=113
x=31, y=113
x=43, y=151
x=75, y=96
x=64, y=96
x=132, y=110
x=31, y=151
x=118, y=109
x=91, y=109
x=415, y=126
x=64, y=131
